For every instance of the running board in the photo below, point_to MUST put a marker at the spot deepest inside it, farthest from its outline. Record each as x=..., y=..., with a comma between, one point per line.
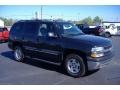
x=42, y=60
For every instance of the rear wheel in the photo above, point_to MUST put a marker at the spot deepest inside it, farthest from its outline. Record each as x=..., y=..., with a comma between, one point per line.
x=18, y=54
x=107, y=34
x=75, y=66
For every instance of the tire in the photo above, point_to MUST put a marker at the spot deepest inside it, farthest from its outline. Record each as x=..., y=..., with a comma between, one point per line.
x=75, y=65
x=107, y=35
x=18, y=54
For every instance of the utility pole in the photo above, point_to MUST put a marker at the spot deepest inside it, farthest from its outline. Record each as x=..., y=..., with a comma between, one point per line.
x=41, y=11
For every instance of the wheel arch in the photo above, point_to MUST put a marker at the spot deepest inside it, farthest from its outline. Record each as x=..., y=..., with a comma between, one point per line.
x=17, y=44
x=108, y=32
x=72, y=51
x=83, y=60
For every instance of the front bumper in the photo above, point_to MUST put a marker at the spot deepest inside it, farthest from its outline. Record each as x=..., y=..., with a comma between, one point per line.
x=97, y=63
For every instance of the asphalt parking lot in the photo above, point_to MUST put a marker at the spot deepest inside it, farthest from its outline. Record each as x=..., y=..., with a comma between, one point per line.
x=36, y=72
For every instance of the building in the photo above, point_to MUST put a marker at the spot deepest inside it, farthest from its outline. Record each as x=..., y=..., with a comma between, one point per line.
x=1, y=23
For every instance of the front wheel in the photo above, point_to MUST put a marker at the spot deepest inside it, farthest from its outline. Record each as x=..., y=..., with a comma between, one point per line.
x=75, y=65
x=18, y=54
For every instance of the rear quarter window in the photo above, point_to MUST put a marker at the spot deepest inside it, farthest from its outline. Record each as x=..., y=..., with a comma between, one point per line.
x=17, y=28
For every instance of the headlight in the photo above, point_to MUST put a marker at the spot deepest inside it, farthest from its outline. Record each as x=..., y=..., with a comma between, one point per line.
x=97, y=52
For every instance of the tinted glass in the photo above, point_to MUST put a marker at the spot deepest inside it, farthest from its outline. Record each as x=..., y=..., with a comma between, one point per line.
x=68, y=29
x=80, y=26
x=31, y=28
x=45, y=28
x=16, y=28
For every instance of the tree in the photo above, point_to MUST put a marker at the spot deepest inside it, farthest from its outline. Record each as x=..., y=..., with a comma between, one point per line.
x=87, y=20
x=8, y=22
x=96, y=20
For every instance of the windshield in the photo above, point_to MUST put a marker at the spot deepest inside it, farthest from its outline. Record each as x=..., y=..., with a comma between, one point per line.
x=68, y=29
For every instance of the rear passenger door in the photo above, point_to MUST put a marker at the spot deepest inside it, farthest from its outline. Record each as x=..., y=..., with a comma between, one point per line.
x=30, y=38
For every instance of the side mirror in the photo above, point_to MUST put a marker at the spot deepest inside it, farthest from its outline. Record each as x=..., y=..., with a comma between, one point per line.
x=51, y=34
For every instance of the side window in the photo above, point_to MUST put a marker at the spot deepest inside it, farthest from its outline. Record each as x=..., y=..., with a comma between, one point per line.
x=31, y=28
x=45, y=28
x=16, y=28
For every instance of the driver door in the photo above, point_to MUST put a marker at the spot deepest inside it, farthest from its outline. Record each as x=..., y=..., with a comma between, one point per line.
x=49, y=46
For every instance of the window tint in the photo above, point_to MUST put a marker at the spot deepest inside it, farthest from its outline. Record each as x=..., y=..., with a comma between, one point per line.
x=17, y=28
x=45, y=28
x=31, y=28
x=68, y=29
x=80, y=26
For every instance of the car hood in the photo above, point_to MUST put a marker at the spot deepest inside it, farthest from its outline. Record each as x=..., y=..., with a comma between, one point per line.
x=92, y=40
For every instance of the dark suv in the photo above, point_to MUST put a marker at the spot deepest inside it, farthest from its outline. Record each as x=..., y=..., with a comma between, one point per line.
x=59, y=43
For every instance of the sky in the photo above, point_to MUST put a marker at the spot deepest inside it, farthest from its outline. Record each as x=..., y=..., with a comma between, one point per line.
x=67, y=12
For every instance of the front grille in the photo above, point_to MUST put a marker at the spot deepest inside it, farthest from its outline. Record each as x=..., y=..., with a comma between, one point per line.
x=108, y=50
x=107, y=47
